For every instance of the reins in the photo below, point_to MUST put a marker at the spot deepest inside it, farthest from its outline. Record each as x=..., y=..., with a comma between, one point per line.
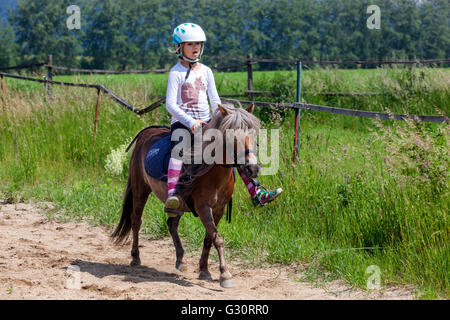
x=139, y=133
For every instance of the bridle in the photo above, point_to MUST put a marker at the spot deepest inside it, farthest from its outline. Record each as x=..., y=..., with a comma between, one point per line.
x=235, y=164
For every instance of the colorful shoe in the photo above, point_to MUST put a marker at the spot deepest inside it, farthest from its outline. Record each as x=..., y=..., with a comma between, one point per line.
x=265, y=196
x=172, y=206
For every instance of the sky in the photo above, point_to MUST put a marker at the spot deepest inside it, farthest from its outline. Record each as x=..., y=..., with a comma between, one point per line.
x=4, y=6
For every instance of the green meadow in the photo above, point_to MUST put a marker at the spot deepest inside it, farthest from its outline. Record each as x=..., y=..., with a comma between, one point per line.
x=363, y=192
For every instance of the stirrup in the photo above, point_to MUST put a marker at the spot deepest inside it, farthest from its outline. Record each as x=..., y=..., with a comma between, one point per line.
x=170, y=209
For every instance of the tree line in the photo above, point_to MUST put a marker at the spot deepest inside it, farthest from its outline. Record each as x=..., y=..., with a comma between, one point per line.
x=127, y=34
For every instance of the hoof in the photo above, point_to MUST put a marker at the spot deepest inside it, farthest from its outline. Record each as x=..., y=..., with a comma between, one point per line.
x=181, y=266
x=227, y=283
x=135, y=262
x=205, y=275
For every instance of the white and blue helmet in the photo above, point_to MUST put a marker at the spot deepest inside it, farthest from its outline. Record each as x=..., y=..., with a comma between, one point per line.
x=187, y=32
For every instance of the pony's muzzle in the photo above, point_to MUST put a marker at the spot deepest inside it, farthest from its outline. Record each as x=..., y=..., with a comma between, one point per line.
x=252, y=170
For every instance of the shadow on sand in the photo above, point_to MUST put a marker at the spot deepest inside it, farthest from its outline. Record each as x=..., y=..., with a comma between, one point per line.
x=135, y=274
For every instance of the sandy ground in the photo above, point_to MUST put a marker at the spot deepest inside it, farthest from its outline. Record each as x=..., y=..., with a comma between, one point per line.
x=44, y=259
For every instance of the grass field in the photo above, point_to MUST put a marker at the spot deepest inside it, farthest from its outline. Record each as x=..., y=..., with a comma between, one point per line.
x=363, y=192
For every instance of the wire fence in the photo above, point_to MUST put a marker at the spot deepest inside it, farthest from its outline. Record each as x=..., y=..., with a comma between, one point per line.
x=75, y=70
x=342, y=111
x=333, y=62
x=26, y=66
x=225, y=98
x=249, y=61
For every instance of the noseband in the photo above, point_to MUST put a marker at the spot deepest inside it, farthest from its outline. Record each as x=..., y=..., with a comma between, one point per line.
x=235, y=164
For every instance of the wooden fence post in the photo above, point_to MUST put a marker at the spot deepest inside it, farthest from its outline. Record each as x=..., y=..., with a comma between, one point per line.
x=49, y=74
x=96, y=112
x=297, y=112
x=249, y=76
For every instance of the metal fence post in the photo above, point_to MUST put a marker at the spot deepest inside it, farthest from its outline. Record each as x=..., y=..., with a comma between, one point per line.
x=297, y=112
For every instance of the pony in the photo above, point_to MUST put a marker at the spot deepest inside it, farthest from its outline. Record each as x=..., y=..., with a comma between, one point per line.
x=210, y=189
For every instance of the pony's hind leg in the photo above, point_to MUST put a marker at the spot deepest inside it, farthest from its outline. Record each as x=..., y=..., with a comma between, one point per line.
x=172, y=224
x=139, y=200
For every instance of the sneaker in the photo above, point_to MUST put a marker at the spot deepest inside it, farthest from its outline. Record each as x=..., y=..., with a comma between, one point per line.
x=172, y=206
x=265, y=196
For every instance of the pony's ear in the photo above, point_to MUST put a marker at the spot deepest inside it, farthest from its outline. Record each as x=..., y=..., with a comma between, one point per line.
x=251, y=108
x=223, y=111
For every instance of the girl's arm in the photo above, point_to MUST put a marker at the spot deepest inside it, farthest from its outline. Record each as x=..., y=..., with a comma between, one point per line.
x=171, y=101
x=212, y=91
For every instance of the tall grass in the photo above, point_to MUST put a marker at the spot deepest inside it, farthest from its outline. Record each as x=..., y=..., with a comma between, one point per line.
x=363, y=192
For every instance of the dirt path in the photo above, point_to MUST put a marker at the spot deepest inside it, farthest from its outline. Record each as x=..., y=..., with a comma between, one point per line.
x=36, y=255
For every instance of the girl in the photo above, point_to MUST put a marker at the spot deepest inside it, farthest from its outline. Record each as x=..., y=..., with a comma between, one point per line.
x=186, y=100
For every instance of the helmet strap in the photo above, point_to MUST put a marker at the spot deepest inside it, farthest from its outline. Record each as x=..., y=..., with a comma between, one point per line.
x=190, y=60
x=181, y=55
x=189, y=70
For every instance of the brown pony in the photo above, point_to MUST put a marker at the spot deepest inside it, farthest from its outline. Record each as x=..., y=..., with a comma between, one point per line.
x=210, y=190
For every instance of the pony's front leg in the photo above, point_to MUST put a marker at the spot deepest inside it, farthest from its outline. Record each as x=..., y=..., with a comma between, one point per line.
x=203, y=265
x=207, y=219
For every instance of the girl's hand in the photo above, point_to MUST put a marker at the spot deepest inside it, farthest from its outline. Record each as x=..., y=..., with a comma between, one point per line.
x=197, y=124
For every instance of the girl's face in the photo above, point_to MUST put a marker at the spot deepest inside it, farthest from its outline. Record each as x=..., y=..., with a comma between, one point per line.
x=192, y=50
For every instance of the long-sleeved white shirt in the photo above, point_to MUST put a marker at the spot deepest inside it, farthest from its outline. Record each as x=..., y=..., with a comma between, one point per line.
x=187, y=101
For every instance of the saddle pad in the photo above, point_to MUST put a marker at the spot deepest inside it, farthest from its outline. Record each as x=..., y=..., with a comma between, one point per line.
x=158, y=156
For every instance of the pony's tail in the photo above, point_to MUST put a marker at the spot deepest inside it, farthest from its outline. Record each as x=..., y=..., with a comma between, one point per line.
x=122, y=231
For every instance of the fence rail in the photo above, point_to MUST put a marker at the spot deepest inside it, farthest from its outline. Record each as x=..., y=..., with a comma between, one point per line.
x=327, y=93
x=278, y=60
x=343, y=111
x=326, y=62
x=23, y=66
x=15, y=76
x=106, y=71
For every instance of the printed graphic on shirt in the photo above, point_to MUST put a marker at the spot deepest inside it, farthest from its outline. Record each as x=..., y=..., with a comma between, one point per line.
x=190, y=94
